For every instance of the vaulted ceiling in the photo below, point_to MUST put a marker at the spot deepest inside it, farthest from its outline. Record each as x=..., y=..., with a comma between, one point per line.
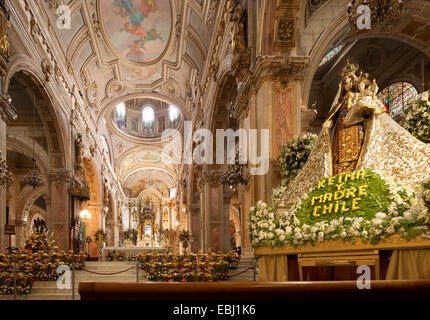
x=119, y=50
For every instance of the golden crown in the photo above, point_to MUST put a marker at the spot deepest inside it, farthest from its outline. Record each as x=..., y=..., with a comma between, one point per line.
x=349, y=69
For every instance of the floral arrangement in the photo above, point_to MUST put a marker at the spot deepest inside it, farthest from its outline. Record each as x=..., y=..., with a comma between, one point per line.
x=32, y=265
x=120, y=256
x=294, y=156
x=110, y=255
x=364, y=206
x=39, y=242
x=185, y=237
x=188, y=267
x=416, y=118
x=133, y=257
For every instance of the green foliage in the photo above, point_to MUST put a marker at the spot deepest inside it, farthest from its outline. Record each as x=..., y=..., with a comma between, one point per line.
x=416, y=118
x=377, y=199
x=294, y=156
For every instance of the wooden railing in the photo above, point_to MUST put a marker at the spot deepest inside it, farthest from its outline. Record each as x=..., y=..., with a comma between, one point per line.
x=292, y=291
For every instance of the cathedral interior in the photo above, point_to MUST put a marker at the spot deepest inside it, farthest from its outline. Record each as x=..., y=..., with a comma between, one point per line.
x=95, y=95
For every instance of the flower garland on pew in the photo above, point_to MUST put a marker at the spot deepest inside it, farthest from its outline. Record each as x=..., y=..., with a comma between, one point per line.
x=188, y=267
x=361, y=204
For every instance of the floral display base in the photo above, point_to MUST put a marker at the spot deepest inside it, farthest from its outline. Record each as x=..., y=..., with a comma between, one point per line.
x=391, y=242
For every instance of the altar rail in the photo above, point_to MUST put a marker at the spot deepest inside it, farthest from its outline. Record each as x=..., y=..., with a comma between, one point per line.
x=292, y=291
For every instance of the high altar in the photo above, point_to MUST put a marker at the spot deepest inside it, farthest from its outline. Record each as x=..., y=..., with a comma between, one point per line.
x=148, y=234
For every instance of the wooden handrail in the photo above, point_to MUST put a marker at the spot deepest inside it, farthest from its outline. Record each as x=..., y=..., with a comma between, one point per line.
x=292, y=291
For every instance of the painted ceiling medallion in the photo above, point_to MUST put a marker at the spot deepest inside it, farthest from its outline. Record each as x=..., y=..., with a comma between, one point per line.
x=138, y=30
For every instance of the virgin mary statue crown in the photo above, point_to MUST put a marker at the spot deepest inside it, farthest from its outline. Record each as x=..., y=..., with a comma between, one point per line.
x=349, y=69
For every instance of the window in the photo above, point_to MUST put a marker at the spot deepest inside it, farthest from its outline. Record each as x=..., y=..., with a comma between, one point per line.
x=397, y=97
x=173, y=113
x=148, y=119
x=331, y=54
x=121, y=114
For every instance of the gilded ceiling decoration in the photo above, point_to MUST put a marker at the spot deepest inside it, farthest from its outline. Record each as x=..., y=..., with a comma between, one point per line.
x=138, y=30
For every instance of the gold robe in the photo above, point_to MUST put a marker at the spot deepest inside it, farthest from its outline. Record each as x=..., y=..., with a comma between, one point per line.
x=347, y=139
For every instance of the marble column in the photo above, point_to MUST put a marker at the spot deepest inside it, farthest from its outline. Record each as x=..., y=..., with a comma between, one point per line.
x=59, y=219
x=7, y=112
x=212, y=216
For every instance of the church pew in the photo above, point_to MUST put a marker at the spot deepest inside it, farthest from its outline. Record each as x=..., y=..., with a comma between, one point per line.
x=292, y=291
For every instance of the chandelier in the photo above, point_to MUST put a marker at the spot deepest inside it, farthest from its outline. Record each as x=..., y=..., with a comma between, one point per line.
x=383, y=12
x=33, y=178
x=6, y=179
x=233, y=176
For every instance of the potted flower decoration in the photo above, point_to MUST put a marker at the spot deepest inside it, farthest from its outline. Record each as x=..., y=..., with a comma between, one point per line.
x=185, y=237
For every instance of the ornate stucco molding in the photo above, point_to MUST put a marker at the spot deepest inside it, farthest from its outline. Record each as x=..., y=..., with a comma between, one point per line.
x=76, y=184
x=7, y=111
x=269, y=68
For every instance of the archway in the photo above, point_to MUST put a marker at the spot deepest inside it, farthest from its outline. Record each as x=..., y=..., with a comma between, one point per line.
x=412, y=30
x=36, y=134
x=389, y=61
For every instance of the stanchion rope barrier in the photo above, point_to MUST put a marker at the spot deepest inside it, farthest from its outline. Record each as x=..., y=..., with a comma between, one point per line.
x=252, y=266
x=109, y=274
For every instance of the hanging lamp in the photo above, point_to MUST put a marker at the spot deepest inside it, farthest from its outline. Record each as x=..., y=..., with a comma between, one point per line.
x=33, y=178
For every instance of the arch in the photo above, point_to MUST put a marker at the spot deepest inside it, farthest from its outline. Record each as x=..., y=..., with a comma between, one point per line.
x=31, y=196
x=23, y=63
x=154, y=192
x=334, y=31
x=22, y=146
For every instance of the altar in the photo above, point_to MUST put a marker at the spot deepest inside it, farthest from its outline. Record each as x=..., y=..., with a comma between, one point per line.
x=133, y=251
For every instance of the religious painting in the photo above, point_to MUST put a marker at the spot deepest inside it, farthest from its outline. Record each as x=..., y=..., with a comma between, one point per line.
x=148, y=157
x=139, y=30
x=134, y=124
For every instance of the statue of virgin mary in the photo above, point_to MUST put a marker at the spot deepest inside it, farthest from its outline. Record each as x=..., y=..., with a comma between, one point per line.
x=359, y=134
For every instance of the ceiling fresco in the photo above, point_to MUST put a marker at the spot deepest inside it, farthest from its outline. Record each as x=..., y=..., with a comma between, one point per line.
x=149, y=179
x=138, y=30
x=148, y=157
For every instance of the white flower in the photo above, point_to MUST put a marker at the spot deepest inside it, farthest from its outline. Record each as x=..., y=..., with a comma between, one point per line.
x=320, y=236
x=409, y=215
x=380, y=216
x=377, y=222
x=288, y=230
x=364, y=233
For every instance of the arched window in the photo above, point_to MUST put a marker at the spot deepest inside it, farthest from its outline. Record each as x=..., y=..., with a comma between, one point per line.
x=173, y=114
x=331, y=54
x=148, y=117
x=397, y=97
x=121, y=114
